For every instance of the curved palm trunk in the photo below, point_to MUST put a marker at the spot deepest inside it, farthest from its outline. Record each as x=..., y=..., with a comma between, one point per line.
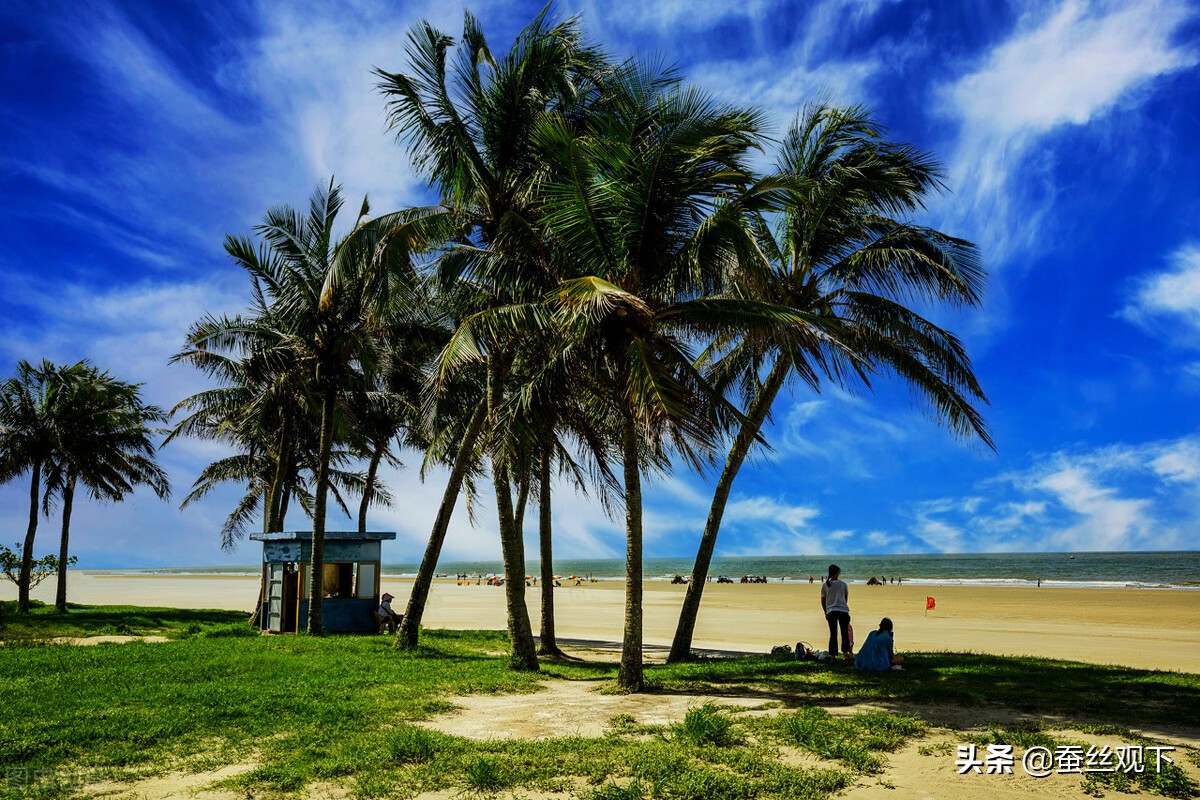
x=369, y=487
x=60, y=594
x=317, y=564
x=681, y=646
x=35, y=485
x=512, y=543
x=411, y=626
x=630, y=676
x=547, y=644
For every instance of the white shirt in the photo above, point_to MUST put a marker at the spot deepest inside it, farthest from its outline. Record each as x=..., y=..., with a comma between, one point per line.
x=834, y=595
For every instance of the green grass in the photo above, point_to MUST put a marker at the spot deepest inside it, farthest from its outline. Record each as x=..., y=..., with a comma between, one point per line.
x=856, y=741
x=706, y=725
x=341, y=709
x=44, y=622
x=1085, y=692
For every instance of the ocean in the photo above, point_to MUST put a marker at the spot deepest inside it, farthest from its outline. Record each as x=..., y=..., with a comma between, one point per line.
x=1165, y=570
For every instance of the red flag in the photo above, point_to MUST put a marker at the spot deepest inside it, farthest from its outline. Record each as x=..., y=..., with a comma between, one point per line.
x=930, y=604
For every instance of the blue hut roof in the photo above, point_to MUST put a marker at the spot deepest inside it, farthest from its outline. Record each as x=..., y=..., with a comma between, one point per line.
x=330, y=536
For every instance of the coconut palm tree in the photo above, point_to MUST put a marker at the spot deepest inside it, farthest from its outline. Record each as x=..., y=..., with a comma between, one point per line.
x=316, y=335
x=842, y=252
x=31, y=419
x=468, y=127
x=557, y=427
x=104, y=442
x=644, y=208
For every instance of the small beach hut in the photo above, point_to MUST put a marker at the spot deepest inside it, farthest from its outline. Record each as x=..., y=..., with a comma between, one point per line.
x=350, y=580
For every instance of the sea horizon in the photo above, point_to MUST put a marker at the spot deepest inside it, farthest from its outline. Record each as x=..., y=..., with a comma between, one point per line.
x=1175, y=569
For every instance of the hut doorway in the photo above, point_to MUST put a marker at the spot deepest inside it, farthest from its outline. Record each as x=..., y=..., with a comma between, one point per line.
x=291, y=599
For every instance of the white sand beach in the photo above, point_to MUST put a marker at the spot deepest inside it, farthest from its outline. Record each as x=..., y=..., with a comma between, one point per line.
x=1149, y=629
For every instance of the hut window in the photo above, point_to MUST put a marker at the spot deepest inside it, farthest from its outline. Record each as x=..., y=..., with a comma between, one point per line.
x=350, y=579
x=366, y=581
x=338, y=580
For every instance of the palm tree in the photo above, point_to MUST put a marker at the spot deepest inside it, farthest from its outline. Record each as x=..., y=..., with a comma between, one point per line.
x=31, y=418
x=261, y=408
x=840, y=254
x=318, y=300
x=394, y=409
x=105, y=442
x=557, y=425
x=644, y=209
x=468, y=128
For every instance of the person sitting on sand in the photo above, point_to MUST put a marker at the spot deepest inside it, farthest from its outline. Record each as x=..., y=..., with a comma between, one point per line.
x=386, y=615
x=878, y=651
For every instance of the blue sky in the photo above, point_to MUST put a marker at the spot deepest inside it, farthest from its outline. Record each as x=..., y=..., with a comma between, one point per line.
x=134, y=136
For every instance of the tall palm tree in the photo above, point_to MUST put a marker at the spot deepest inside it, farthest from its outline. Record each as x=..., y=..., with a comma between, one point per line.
x=31, y=418
x=557, y=427
x=321, y=298
x=644, y=209
x=105, y=442
x=468, y=128
x=841, y=253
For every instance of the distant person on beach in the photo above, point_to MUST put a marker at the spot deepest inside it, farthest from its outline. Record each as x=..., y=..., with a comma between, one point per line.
x=878, y=651
x=835, y=603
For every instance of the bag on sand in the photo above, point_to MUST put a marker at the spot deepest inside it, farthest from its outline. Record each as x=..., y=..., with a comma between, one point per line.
x=804, y=651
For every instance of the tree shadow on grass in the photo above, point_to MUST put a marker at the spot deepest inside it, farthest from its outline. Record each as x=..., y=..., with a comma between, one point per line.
x=1141, y=698
x=81, y=620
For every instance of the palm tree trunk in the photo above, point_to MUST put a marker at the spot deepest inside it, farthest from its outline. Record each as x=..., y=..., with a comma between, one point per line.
x=369, y=487
x=60, y=594
x=522, y=501
x=35, y=485
x=681, y=646
x=630, y=676
x=512, y=543
x=547, y=644
x=275, y=502
x=411, y=626
x=288, y=485
x=317, y=563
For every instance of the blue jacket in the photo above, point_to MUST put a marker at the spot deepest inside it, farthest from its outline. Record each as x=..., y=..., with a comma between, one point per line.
x=876, y=652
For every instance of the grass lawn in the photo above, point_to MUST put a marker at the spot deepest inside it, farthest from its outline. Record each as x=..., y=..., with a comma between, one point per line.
x=339, y=709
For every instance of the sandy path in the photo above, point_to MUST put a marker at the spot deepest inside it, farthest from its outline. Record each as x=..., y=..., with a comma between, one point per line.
x=1154, y=629
x=575, y=708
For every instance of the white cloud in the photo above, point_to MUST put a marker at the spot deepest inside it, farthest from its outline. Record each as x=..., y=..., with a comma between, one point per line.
x=1119, y=497
x=670, y=16
x=1070, y=65
x=839, y=429
x=1168, y=302
x=1108, y=520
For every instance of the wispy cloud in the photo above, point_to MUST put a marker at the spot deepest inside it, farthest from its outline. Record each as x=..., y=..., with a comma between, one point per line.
x=845, y=432
x=1065, y=66
x=1119, y=497
x=1167, y=303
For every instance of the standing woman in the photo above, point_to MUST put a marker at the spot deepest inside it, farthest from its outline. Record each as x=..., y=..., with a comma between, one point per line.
x=834, y=602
